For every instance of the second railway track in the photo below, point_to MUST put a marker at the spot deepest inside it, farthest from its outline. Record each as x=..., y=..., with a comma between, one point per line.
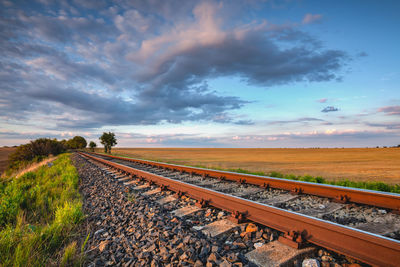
x=353, y=222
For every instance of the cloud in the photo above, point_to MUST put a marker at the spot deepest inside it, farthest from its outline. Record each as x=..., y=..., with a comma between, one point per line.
x=298, y=120
x=244, y=122
x=322, y=100
x=329, y=109
x=323, y=138
x=327, y=138
x=390, y=110
x=389, y=126
x=362, y=54
x=190, y=53
x=6, y=134
x=87, y=65
x=311, y=18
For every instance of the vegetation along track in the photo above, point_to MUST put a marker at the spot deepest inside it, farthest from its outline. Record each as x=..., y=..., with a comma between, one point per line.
x=307, y=213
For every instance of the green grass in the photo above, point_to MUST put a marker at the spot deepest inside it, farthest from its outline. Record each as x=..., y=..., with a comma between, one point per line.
x=377, y=186
x=39, y=212
x=69, y=254
x=372, y=185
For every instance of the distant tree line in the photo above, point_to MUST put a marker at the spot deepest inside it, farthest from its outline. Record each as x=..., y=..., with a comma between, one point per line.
x=398, y=146
x=40, y=148
x=78, y=142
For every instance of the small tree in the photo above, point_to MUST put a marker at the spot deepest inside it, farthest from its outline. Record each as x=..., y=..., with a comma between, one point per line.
x=108, y=140
x=92, y=145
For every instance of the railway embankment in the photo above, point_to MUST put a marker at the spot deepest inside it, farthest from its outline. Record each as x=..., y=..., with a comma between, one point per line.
x=134, y=223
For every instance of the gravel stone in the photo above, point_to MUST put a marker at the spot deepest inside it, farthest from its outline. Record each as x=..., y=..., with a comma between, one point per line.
x=310, y=263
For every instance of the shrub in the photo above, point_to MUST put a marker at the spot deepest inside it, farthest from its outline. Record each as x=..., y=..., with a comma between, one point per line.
x=32, y=152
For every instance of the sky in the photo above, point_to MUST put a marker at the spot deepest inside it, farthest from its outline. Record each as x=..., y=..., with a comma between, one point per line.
x=201, y=73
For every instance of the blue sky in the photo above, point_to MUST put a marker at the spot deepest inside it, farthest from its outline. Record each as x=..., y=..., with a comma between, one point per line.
x=201, y=73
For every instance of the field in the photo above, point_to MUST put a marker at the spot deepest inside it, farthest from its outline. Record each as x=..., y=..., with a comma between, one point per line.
x=4, y=152
x=356, y=164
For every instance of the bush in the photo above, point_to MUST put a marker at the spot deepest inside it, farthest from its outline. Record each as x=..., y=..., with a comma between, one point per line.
x=32, y=152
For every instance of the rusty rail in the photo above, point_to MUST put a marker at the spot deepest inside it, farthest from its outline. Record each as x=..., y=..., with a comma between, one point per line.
x=367, y=247
x=338, y=193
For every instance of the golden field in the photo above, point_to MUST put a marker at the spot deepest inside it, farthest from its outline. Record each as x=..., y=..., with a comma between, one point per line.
x=356, y=164
x=4, y=152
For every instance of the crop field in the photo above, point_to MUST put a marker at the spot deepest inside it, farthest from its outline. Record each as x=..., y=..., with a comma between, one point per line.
x=355, y=164
x=4, y=152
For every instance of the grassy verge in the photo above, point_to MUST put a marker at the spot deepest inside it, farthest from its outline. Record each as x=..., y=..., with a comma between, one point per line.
x=372, y=185
x=39, y=212
x=377, y=186
x=14, y=167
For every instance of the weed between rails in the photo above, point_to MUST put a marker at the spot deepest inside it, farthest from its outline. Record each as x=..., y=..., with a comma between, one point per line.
x=39, y=212
x=131, y=197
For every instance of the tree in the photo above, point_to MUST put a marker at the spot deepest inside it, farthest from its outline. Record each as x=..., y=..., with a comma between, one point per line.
x=77, y=142
x=108, y=140
x=92, y=145
x=64, y=143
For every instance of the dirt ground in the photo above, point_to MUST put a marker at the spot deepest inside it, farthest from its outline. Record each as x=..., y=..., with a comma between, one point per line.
x=4, y=152
x=358, y=164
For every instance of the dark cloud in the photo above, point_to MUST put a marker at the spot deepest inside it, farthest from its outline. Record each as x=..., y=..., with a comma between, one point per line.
x=362, y=54
x=67, y=29
x=329, y=109
x=255, y=57
x=93, y=110
x=390, y=110
x=244, y=122
x=94, y=63
x=32, y=135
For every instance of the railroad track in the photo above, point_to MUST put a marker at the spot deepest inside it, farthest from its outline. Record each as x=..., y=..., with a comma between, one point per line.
x=362, y=224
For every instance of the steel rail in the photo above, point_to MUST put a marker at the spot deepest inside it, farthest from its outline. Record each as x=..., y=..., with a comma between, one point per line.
x=366, y=247
x=338, y=193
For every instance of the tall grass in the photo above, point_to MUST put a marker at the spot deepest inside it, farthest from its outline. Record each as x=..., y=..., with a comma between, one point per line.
x=38, y=214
